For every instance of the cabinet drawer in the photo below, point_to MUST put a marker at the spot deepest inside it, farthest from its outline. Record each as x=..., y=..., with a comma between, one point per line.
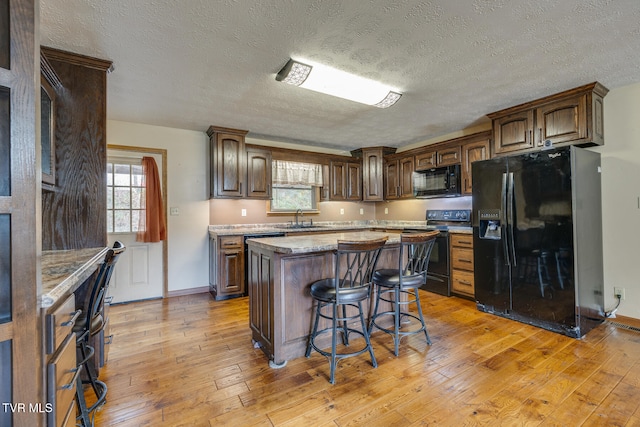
x=462, y=259
x=462, y=282
x=60, y=323
x=61, y=381
x=462, y=240
x=231, y=242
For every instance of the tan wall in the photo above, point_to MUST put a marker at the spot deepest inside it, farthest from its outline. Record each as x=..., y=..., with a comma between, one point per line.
x=229, y=211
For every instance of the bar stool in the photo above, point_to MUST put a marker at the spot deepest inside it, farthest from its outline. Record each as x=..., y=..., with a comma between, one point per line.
x=342, y=295
x=392, y=284
x=88, y=325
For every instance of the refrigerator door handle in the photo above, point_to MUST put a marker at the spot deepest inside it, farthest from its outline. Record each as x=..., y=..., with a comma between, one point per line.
x=510, y=209
x=503, y=217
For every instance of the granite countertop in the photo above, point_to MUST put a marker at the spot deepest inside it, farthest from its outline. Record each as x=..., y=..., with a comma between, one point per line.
x=65, y=270
x=320, y=226
x=318, y=242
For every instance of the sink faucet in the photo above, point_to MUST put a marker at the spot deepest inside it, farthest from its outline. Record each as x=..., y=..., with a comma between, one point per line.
x=298, y=213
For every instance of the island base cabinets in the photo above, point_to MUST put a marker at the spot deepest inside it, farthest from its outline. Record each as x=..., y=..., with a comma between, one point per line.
x=226, y=267
x=280, y=306
x=572, y=117
x=261, y=300
x=462, y=283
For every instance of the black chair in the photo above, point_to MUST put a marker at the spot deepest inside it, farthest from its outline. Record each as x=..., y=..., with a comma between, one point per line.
x=392, y=285
x=341, y=299
x=88, y=325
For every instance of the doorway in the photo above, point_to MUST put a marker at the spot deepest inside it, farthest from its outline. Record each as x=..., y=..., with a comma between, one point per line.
x=141, y=272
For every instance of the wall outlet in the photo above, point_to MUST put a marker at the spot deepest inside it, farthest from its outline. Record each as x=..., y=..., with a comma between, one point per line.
x=618, y=291
x=174, y=211
x=341, y=211
x=386, y=211
x=243, y=212
x=361, y=211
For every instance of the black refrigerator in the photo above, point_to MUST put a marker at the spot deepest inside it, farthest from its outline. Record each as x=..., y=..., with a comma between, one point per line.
x=537, y=239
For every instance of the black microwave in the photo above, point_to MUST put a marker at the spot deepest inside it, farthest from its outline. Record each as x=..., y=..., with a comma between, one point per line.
x=437, y=182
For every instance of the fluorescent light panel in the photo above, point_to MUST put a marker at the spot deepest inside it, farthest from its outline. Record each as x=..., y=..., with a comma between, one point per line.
x=324, y=79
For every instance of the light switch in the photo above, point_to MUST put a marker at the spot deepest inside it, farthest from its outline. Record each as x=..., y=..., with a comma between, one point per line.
x=341, y=211
x=243, y=212
x=386, y=211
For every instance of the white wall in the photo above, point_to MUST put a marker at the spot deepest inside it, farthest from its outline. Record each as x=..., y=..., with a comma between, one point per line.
x=620, y=197
x=187, y=153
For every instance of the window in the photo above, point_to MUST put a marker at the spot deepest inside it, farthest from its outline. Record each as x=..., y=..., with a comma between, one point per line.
x=291, y=198
x=125, y=195
x=295, y=186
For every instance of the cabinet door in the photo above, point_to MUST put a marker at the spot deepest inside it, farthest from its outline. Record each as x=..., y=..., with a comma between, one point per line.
x=258, y=174
x=338, y=181
x=472, y=152
x=406, y=177
x=354, y=181
x=448, y=156
x=562, y=121
x=231, y=271
x=229, y=165
x=391, y=179
x=325, y=191
x=372, y=175
x=513, y=133
x=426, y=160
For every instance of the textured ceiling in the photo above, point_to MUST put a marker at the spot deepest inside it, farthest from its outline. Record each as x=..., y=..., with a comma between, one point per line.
x=189, y=64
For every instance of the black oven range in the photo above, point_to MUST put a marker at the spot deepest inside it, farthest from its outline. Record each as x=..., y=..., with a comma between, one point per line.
x=438, y=279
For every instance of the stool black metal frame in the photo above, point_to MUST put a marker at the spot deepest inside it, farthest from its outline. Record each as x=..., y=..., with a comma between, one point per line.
x=354, y=263
x=90, y=323
x=392, y=284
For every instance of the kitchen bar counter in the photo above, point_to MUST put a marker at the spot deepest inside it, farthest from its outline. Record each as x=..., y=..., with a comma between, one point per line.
x=280, y=270
x=317, y=242
x=65, y=270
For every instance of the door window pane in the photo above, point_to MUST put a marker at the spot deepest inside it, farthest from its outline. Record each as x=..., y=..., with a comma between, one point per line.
x=125, y=196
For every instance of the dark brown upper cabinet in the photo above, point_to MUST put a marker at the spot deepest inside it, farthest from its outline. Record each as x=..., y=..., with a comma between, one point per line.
x=345, y=180
x=258, y=173
x=238, y=171
x=572, y=117
x=373, y=171
x=228, y=167
x=398, y=176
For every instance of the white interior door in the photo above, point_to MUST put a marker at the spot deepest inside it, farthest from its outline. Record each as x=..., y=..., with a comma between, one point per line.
x=139, y=273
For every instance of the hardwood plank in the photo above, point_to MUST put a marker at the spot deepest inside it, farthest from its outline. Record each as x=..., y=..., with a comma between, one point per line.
x=189, y=360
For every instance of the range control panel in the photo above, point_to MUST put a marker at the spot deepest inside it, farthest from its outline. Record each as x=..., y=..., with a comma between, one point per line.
x=449, y=215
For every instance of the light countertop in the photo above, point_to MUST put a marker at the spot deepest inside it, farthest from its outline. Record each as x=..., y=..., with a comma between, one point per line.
x=64, y=271
x=318, y=242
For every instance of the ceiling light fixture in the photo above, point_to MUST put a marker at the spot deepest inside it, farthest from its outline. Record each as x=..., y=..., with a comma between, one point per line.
x=321, y=78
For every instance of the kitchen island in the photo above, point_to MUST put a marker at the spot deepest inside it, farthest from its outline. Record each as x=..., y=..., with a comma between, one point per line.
x=280, y=271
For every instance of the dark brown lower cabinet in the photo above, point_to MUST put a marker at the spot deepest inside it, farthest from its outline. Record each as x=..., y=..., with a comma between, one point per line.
x=226, y=267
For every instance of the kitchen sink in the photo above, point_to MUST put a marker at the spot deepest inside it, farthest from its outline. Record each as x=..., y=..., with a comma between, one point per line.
x=299, y=227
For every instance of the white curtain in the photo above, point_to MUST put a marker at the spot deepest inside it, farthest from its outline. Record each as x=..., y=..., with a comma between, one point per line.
x=296, y=173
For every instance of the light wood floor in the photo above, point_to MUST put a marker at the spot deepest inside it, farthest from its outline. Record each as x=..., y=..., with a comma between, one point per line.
x=189, y=361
